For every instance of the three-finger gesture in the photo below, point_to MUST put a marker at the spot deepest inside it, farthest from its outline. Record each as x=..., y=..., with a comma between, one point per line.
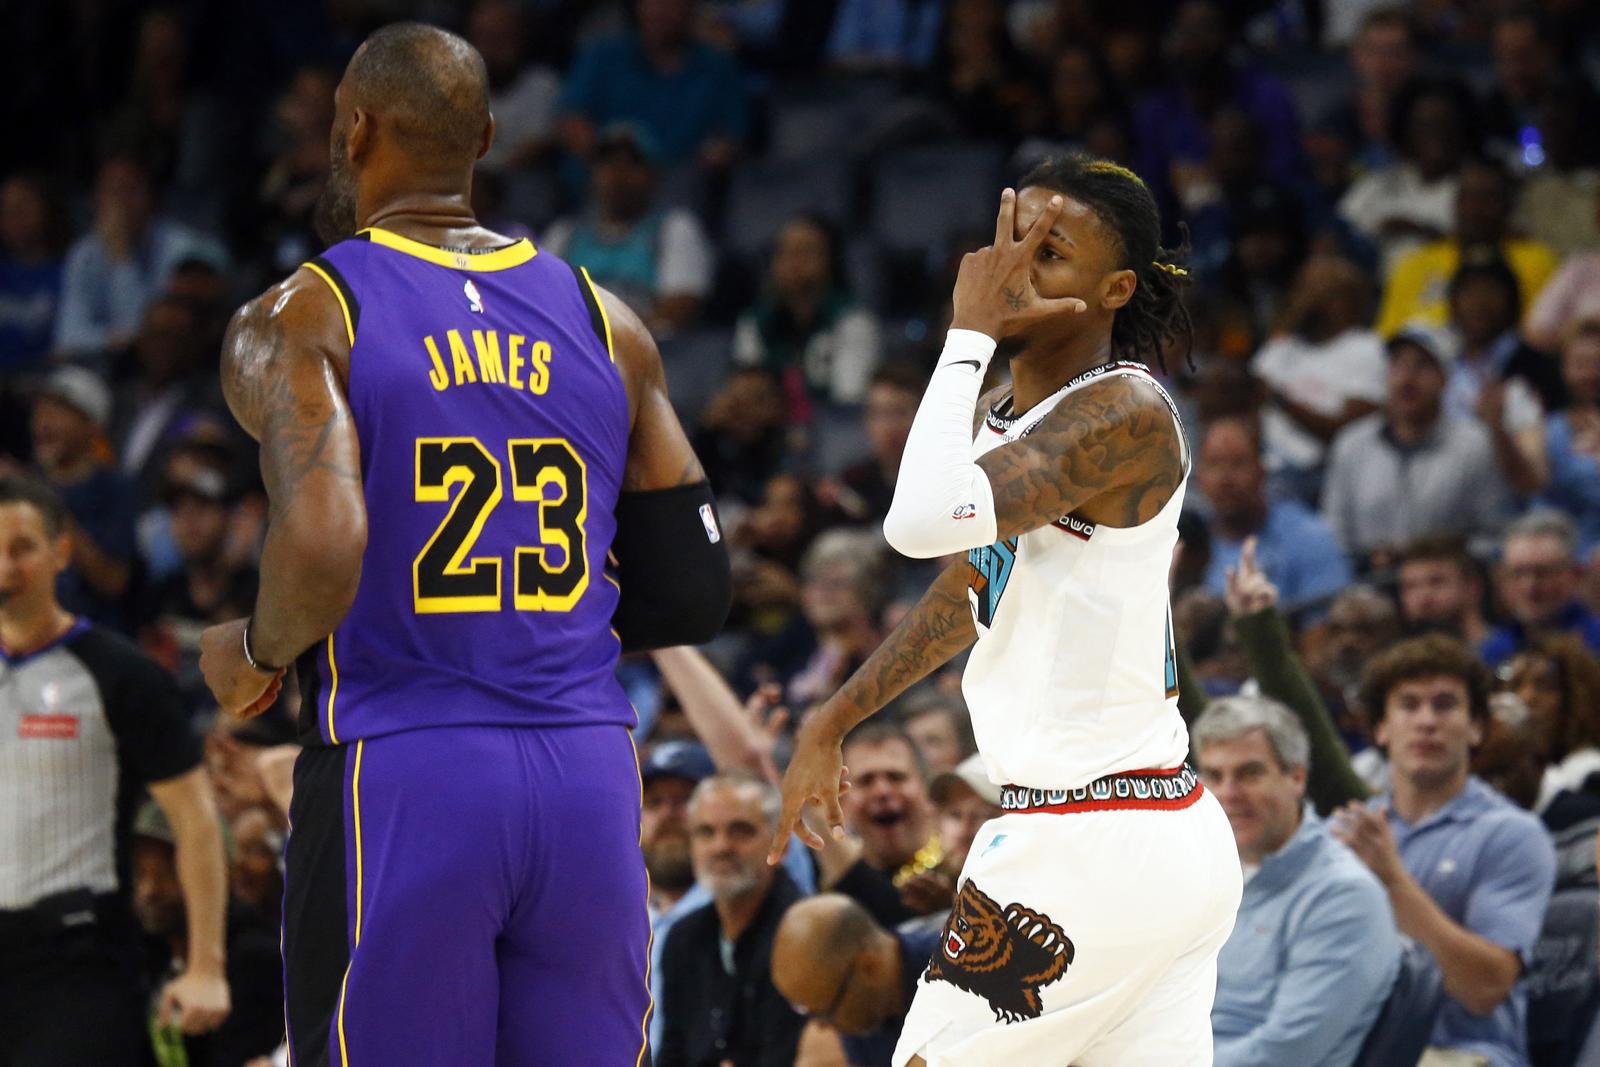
x=994, y=293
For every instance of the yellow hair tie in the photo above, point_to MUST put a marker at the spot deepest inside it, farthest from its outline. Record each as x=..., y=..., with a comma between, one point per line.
x=1101, y=166
x=1172, y=269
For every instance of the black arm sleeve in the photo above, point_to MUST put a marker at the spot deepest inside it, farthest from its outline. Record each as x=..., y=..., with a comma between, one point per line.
x=672, y=567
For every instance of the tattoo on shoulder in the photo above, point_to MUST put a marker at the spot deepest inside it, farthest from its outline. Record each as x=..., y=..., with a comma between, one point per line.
x=1112, y=446
x=291, y=401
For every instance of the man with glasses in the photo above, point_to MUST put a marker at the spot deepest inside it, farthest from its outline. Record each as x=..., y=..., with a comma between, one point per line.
x=1538, y=581
x=718, y=1003
x=839, y=968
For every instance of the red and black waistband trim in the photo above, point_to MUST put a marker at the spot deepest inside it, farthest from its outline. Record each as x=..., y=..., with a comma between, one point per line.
x=1170, y=789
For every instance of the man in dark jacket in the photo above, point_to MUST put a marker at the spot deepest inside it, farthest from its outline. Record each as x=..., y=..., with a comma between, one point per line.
x=718, y=1003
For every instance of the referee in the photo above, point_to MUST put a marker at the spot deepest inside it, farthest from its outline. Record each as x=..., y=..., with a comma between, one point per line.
x=86, y=723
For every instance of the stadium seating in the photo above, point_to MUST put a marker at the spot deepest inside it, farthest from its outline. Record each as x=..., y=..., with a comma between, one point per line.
x=1564, y=979
x=1401, y=1032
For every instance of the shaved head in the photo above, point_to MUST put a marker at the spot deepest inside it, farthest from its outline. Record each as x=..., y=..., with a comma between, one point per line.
x=416, y=96
x=832, y=960
x=428, y=83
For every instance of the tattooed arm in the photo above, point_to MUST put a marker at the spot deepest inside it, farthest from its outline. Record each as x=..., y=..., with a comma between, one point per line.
x=938, y=627
x=284, y=362
x=1109, y=451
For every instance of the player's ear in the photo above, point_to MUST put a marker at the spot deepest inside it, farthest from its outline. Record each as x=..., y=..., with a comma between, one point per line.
x=362, y=131
x=1116, y=289
x=488, y=138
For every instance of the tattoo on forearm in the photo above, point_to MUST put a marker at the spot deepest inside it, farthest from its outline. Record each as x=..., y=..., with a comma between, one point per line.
x=1113, y=445
x=938, y=627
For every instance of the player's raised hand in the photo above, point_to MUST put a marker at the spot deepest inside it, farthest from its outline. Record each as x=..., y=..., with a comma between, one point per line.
x=1249, y=589
x=816, y=774
x=239, y=688
x=994, y=293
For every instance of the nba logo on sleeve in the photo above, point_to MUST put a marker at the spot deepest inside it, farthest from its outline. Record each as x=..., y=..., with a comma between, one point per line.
x=709, y=519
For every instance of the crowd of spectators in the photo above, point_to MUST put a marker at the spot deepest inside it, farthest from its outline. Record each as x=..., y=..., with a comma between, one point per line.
x=1392, y=219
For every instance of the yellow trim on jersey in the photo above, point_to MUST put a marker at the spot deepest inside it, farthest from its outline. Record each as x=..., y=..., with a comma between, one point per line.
x=649, y=944
x=604, y=318
x=512, y=255
x=333, y=690
x=338, y=294
x=355, y=799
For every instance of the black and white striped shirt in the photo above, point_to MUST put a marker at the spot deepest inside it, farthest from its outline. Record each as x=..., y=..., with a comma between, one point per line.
x=85, y=723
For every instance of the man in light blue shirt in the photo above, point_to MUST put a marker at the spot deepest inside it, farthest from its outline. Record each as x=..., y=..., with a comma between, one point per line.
x=1314, y=951
x=1294, y=546
x=115, y=271
x=1468, y=873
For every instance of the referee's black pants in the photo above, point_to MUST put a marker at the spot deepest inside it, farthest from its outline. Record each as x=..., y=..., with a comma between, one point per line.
x=72, y=997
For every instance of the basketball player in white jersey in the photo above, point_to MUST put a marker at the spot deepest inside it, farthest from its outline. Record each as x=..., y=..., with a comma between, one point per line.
x=1089, y=915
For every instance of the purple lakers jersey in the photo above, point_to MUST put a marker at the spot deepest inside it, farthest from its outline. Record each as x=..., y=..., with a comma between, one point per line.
x=493, y=425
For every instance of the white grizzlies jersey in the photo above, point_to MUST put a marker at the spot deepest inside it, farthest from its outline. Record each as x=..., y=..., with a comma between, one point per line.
x=1073, y=676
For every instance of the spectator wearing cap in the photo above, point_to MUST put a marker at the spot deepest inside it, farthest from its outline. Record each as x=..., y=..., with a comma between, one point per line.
x=89, y=722
x=669, y=773
x=1572, y=436
x=842, y=970
x=1322, y=369
x=255, y=970
x=1418, y=286
x=115, y=270
x=689, y=96
x=70, y=414
x=1296, y=549
x=807, y=327
x=1538, y=578
x=208, y=588
x=1413, y=468
x=1314, y=950
x=655, y=258
x=1467, y=873
x=718, y=1002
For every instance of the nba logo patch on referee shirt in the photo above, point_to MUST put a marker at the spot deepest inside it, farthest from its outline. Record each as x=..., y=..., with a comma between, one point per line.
x=709, y=519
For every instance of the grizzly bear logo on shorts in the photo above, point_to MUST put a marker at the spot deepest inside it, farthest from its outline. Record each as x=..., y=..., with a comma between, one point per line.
x=1004, y=955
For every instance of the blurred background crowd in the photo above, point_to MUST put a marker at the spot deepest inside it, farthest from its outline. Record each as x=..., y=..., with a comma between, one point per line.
x=1391, y=213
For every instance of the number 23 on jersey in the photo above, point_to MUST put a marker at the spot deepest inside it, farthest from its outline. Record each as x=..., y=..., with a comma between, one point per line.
x=550, y=575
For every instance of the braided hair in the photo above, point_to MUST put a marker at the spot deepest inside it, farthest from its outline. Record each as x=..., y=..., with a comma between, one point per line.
x=1155, y=316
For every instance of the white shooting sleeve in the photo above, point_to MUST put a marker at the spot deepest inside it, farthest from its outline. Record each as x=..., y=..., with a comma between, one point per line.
x=943, y=502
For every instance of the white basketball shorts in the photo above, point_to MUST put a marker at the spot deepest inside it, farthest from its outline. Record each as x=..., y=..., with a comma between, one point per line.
x=1085, y=933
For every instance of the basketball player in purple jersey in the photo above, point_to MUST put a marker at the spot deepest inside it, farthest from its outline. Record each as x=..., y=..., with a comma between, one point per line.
x=456, y=429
